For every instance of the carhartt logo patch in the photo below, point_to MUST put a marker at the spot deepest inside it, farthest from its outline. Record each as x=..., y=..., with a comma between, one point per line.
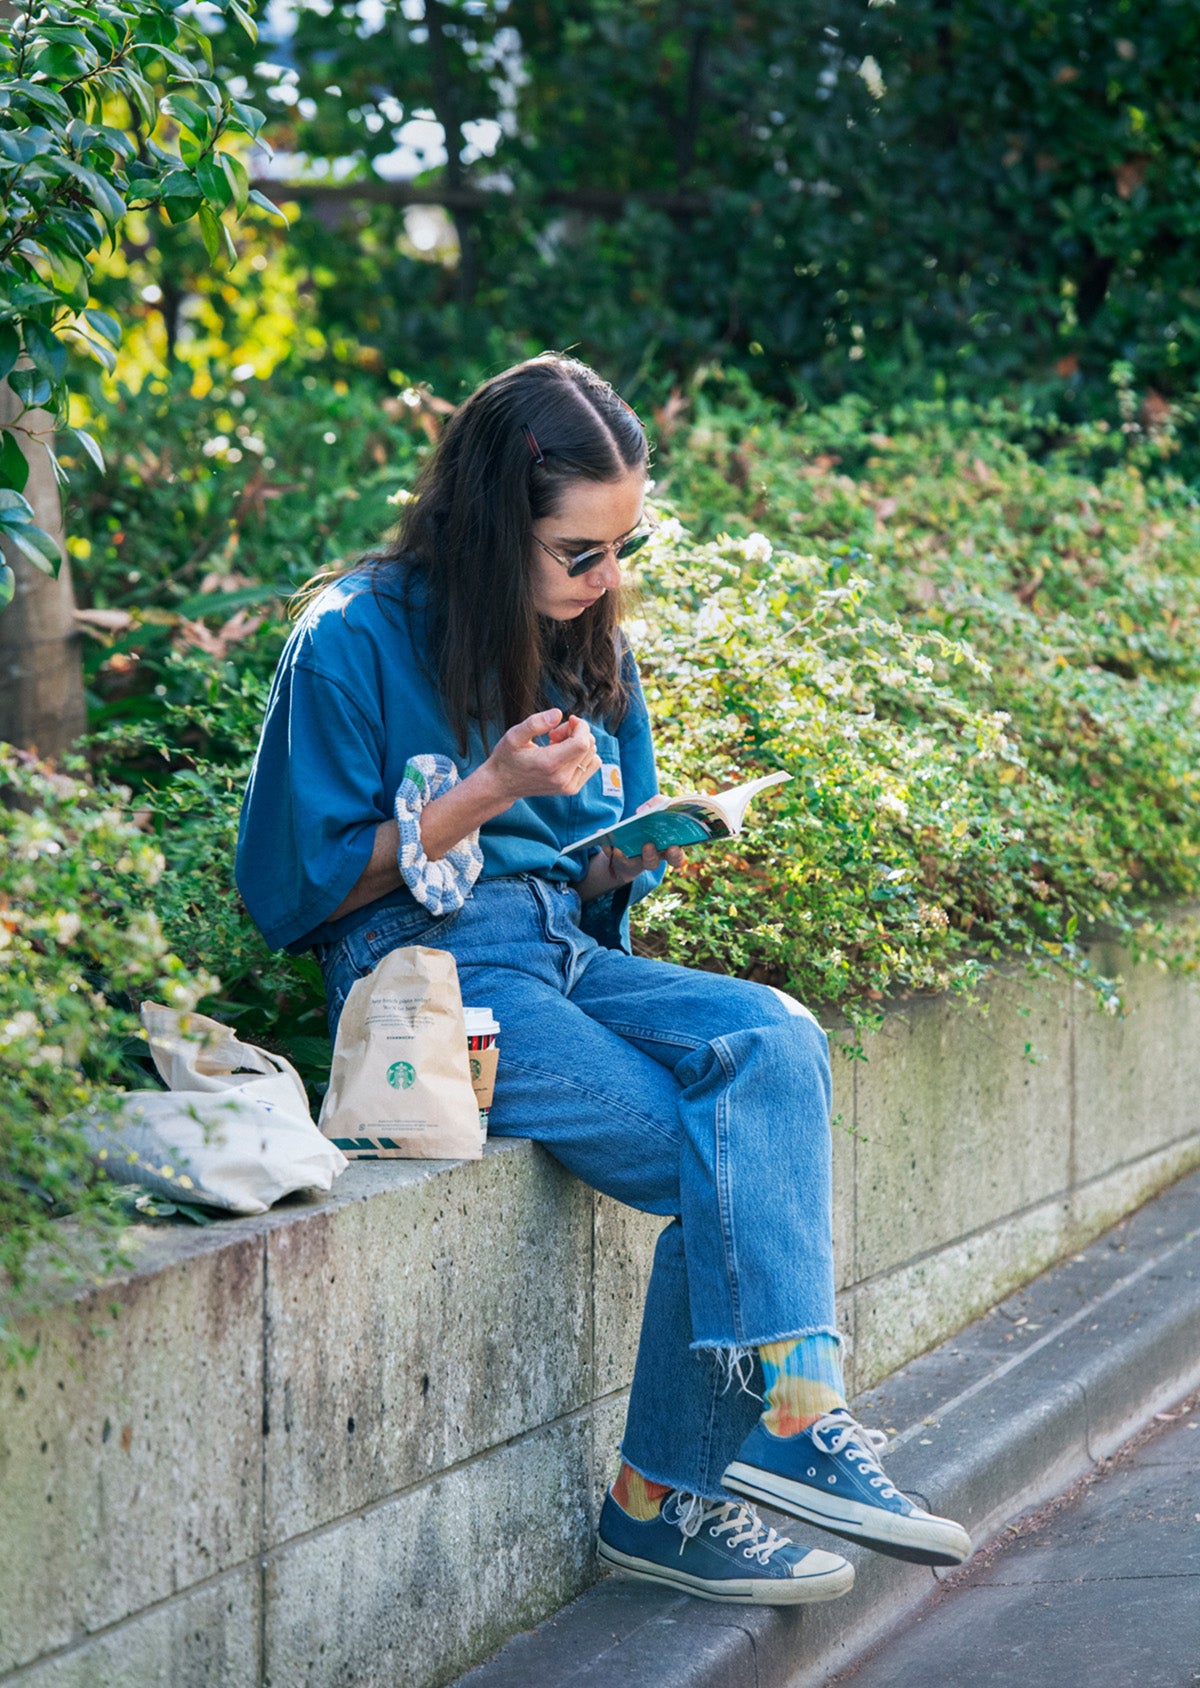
x=610, y=775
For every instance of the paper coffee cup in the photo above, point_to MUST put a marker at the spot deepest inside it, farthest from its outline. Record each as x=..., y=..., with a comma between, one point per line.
x=483, y=1032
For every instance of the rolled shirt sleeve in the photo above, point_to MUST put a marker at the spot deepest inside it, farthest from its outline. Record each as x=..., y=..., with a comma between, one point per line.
x=315, y=798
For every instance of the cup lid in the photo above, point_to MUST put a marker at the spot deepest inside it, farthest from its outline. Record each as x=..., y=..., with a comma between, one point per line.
x=479, y=1021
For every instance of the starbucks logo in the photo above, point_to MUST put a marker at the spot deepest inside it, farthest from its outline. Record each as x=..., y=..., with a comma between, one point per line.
x=476, y=1067
x=401, y=1075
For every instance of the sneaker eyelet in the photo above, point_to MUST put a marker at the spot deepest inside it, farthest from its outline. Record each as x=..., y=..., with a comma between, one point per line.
x=833, y=1479
x=812, y=1471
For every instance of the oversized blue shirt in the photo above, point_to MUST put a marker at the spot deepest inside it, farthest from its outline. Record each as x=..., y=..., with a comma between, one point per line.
x=350, y=703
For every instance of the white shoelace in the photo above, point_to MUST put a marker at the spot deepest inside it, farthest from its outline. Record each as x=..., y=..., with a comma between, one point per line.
x=740, y=1524
x=838, y=1433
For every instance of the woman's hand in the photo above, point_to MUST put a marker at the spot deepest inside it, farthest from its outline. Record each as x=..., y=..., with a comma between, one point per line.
x=610, y=869
x=520, y=767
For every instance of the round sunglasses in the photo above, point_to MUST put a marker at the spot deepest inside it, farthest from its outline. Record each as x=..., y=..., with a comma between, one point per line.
x=592, y=558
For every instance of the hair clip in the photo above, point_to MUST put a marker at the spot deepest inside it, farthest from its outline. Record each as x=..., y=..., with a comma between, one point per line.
x=535, y=450
x=631, y=410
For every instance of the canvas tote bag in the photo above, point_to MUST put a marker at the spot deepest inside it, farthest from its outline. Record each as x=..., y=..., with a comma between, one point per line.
x=233, y=1129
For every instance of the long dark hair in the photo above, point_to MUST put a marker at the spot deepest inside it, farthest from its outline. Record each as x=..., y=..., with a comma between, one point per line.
x=466, y=538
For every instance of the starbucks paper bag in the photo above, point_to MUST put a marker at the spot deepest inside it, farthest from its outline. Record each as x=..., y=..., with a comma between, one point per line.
x=401, y=1086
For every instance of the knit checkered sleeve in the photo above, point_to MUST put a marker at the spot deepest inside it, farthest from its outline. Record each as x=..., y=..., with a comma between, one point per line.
x=444, y=885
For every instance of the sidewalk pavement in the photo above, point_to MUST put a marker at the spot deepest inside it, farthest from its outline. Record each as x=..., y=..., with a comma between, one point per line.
x=1002, y=1418
x=1100, y=1588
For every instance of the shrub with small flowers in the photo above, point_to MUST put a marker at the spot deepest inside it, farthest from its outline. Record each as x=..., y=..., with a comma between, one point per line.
x=80, y=944
x=898, y=857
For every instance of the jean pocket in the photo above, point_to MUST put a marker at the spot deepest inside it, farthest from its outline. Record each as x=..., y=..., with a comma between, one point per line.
x=392, y=929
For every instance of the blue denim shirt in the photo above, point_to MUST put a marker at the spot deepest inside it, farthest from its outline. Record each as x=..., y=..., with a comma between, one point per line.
x=350, y=703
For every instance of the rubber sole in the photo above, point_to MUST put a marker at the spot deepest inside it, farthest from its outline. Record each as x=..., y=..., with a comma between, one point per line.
x=922, y=1541
x=756, y=1591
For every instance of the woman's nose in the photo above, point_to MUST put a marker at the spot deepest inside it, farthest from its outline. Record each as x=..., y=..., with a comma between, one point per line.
x=608, y=574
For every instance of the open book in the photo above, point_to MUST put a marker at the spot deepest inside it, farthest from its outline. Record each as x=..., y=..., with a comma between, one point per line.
x=694, y=818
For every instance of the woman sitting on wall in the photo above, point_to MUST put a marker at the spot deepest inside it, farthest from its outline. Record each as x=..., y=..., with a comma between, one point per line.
x=487, y=643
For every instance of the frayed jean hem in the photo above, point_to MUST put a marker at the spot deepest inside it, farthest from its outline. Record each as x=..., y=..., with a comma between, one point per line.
x=739, y=1348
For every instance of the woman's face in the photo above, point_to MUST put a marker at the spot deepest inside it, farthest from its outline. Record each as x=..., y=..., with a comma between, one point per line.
x=590, y=513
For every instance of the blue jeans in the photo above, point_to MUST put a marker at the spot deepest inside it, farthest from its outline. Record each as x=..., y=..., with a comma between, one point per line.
x=692, y=1095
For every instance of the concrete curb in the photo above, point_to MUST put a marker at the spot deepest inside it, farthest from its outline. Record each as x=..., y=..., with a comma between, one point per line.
x=997, y=1420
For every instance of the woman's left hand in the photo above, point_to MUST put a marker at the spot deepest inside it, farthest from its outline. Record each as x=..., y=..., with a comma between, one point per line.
x=612, y=869
x=624, y=869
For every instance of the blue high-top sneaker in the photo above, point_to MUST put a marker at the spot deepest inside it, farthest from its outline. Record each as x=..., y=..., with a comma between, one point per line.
x=719, y=1550
x=829, y=1475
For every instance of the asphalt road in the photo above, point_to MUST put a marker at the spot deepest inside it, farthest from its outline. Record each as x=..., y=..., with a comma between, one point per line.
x=1100, y=1589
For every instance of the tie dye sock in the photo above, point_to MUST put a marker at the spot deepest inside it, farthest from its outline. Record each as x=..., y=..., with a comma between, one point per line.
x=637, y=1495
x=803, y=1380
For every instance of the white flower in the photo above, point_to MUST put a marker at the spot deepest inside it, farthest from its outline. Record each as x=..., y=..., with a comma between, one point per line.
x=214, y=447
x=23, y=1024
x=669, y=532
x=400, y=496
x=711, y=619
x=66, y=926
x=756, y=548
x=890, y=804
x=873, y=77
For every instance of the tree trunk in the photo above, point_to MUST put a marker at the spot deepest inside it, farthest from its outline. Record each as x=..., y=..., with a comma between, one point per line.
x=41, y=674
x=447, y=109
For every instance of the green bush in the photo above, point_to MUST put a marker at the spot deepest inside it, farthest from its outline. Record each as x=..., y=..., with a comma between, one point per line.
x=873, y=198
x=80, y=943
x=197, y=542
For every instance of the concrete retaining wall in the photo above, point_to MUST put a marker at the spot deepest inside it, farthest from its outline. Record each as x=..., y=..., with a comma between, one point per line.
x=360, y=1441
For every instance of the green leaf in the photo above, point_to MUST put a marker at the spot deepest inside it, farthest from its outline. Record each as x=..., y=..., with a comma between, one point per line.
x=116, y=140
x=88, y=444
x=139, y=92
x=10, y=347
x=37, y=546
x=264, y=204
x=102, y=193
x=210, y=229
x=75, y=231
x=30, y=386
x=41, y=96
x=8, y=586
x=14, y=510
x=218, y=189
x=212, y=95
x=187, y=114
x=179, y=207
x=48, y=353
x=248, y=116
x=173, y=60
x=239, y=180
x=14, y=465
x=69, y=277
x=104, y=325
x=18, y=146
x=102, y=352
x=243, y=17
x=60, y=474
x=28, y=295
